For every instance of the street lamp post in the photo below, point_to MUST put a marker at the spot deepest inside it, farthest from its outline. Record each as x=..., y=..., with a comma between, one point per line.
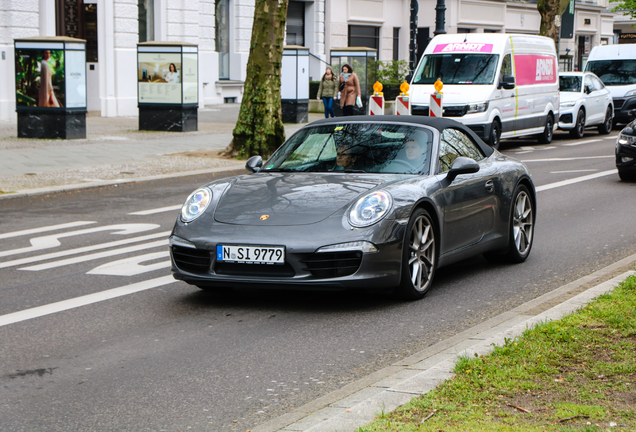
x=440, y=18
x=413, y=43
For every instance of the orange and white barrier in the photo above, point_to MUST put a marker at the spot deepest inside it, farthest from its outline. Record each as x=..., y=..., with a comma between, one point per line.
x=376, y=105
x=402, y=105
x=435, y=106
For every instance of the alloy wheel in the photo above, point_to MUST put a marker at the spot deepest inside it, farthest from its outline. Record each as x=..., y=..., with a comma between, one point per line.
x=422, y=253
x=522, y=221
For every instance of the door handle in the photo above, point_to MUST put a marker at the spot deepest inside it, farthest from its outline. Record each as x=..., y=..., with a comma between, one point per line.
x=490, y=186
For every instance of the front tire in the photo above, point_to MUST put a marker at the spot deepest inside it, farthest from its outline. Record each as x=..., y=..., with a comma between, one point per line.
x=419, y=257
x=606, y=127
x=627, y=176
x=495, y=135
x=579, y=126
x=545, y=137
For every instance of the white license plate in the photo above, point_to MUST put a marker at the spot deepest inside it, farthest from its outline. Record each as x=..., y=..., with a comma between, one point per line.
x=251, y=254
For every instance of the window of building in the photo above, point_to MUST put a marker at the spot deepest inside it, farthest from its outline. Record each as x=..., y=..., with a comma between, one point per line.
x=295, y=23
x=464, y=30
x=146, y=20
x=490, y=31
x=423, y=38
x=396, y=43
x=364, y=36
x=222, y=36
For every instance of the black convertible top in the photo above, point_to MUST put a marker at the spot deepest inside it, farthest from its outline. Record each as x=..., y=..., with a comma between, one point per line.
x=435, y=122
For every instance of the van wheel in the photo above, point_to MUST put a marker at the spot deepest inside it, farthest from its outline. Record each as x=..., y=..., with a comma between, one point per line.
x=606, y=127
x=545, y=137
x=579, y=126
x=495, y=135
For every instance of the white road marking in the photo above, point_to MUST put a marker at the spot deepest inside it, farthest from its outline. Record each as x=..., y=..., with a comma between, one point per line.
x=524, y=152
x=51, y=241
x=582, y=142
x=132, y=266
x=52, y=308
x=612, y=137
x=568, y=159
x=45, y=229
x=576, y=180
x=157, y=210
x=68, y=252
x=572, y=171
x=94, y=256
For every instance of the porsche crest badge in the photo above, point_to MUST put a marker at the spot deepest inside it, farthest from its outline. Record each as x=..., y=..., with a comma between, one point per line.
x=264, y=217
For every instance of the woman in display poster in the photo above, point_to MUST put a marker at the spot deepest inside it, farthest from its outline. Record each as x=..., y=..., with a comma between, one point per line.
x=172, y=77
x=47, y=94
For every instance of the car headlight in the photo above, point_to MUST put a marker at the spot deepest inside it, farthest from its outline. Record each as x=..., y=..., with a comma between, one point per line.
x=567, y=104
x=476, y=107
x=196, y=204
x=630, y=93
x=370, y=209
x=626, y=139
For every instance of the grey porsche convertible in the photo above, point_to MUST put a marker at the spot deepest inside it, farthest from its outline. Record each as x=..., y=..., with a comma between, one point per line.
x=366, y=202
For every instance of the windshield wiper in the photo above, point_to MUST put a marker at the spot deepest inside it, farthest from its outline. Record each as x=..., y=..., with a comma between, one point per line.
x=354, y=171
x=278, y=170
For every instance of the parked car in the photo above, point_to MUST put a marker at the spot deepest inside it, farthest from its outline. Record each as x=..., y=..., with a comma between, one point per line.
x=499, y=85
x=585, y=102
x=626, y=152
x=615, y=65
x=363, y=202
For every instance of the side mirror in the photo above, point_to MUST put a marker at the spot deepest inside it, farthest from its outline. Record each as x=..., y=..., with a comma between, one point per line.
x=254, y=164
x=462, y=165
x=508, y=82
x=588, y=89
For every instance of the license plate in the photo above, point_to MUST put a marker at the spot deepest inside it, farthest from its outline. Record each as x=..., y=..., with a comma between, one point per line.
x=251, y=254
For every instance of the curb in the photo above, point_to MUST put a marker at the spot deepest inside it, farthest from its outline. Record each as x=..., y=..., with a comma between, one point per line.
x=239, y=168
x=358, y=403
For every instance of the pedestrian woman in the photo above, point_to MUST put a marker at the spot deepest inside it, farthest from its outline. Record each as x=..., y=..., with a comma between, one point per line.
x=350, y=91
x=327, y=91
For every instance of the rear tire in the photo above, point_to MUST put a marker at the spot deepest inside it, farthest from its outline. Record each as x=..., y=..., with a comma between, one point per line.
x=419, y=257
x=579, y=126
x=545, y=137
x=606, y=127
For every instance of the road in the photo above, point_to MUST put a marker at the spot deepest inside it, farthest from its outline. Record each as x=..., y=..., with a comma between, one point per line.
x=95, y=335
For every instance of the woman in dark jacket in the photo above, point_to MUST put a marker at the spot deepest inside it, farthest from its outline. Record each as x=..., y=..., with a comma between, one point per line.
x=328, y=90
x=351, y=89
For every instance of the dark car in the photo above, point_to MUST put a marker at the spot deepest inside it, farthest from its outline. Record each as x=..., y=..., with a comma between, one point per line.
x=626, y=151
x=368, y=202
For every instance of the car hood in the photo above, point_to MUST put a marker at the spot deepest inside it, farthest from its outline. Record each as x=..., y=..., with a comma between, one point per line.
x=569, y=96
x=619, y=91
x=292, y=198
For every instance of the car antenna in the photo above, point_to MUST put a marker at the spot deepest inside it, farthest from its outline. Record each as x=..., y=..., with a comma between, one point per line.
x=466, y=38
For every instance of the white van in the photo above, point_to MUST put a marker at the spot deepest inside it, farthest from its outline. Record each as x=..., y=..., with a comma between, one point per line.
x=615, y=65
x=499, y=85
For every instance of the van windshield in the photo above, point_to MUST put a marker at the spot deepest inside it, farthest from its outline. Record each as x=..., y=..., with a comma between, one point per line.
x=614, y=72
x=459, y=68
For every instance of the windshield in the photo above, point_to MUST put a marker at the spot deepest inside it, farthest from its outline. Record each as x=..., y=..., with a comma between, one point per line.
x=570, y=83
x=355, y=147
x=457, y=68
x=614, y=72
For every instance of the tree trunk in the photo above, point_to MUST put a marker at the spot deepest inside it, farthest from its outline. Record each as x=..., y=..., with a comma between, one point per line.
x=548, y=9
x=259, y=129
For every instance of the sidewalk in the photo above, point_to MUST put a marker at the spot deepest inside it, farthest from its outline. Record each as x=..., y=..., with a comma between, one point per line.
x=116, y=151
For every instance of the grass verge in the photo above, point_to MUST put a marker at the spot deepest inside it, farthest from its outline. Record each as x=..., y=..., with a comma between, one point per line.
x=575, y=374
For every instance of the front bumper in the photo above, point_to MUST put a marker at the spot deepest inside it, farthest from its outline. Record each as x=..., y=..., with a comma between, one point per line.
x=622, y=107
x=304, y=268
x=567, y=117
x=626, y=157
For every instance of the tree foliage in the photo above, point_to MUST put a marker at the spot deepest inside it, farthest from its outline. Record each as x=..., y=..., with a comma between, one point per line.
x=627, y=7
x=259, y=129
x=549, y=9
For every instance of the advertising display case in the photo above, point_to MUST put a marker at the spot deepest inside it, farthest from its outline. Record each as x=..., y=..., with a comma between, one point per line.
x=294, y=77
x=51, y=87
x=168, y=86
x=365, y=65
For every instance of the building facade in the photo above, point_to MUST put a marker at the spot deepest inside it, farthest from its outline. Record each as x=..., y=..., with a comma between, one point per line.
x=222, y=30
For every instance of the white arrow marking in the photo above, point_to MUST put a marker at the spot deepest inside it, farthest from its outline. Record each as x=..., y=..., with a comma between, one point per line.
x=84, y=300
x=51, y=241
x=131, y=266
x=45, y=229
x=582, y=142
x=94, y=256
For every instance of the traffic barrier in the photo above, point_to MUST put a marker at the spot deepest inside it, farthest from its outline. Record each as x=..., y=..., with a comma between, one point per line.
x=376, y=105
x=402, y=105
x=435, y=106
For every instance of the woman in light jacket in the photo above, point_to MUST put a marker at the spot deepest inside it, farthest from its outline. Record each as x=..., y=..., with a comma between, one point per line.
x=328, y=90
x=350, y=91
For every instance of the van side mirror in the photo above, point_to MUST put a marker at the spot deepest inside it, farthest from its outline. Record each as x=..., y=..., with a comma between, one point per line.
x=462, y=165
x=254, y=164
x=508, y=82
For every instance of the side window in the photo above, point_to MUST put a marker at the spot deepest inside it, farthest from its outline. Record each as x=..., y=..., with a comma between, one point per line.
x=455, y=143
x=598, y=85
x=506, y=67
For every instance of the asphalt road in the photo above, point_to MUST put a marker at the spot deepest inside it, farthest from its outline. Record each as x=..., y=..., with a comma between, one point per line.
x=162, y=355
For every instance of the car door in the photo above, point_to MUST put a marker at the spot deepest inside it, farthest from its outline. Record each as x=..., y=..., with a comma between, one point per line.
x=592, y=101
x=470, y=201
x=604, y=97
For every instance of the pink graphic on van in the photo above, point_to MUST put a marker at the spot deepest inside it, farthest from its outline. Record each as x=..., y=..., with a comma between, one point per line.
x=535, y=69
x=463, y=47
